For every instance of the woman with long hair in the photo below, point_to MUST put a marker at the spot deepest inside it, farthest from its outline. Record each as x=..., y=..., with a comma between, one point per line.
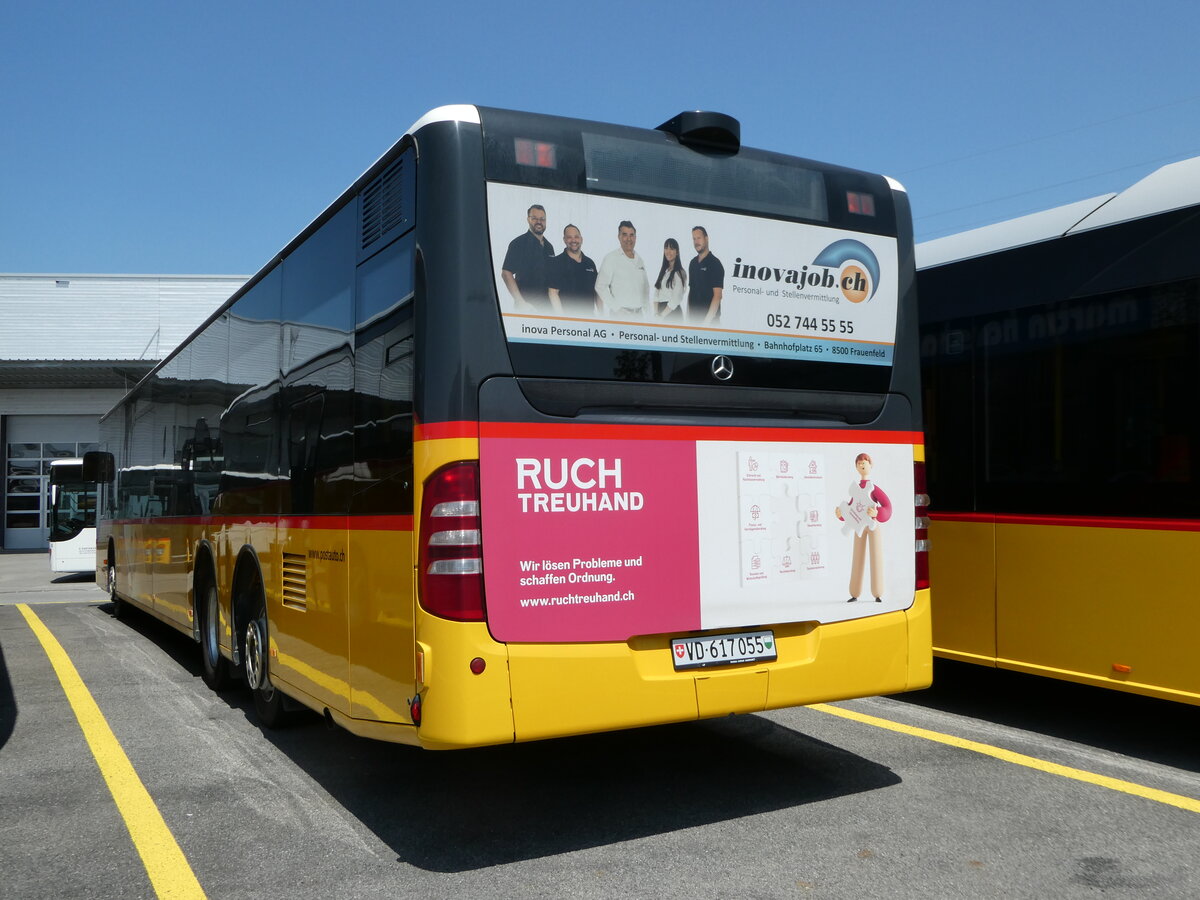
x=671, y=286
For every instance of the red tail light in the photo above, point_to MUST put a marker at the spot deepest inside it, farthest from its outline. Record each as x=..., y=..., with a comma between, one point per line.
x=921, y=501
x=451, y=558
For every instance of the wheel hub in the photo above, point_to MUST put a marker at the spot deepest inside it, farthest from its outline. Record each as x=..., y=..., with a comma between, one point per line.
x=255, y=659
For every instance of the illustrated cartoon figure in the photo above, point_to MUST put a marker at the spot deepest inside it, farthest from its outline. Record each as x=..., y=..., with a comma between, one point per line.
x=867, y=508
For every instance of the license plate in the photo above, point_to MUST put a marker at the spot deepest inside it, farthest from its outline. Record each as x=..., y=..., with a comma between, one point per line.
x=722, y=649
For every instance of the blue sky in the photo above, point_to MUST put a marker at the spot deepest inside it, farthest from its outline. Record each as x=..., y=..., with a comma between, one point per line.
x=140, y=137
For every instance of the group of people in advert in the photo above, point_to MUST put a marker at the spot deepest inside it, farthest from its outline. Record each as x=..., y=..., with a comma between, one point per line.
x=571, y=284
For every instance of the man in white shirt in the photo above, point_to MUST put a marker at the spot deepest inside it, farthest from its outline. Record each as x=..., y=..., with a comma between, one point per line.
x=621, y=283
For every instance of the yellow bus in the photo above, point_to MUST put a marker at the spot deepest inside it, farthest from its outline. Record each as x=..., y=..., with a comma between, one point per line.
x=544, y=427
x=1057, y=352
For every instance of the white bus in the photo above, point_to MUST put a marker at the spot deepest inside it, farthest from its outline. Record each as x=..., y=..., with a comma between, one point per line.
x=72, y=518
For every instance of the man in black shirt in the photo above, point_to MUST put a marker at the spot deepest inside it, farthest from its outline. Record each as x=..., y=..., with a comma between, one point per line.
x=706, y=281
x=572, y=278
x=526, y=262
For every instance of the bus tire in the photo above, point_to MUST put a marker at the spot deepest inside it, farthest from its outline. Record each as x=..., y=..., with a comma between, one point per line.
x=217, y=672
x=268, y=701
x=119, y=607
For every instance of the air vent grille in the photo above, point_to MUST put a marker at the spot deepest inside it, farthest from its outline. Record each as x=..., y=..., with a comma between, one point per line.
x=295, y=581
x=385, y=205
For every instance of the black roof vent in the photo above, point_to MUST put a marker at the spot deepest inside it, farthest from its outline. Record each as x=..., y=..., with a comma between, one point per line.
x=709, y=129
x=387, y=203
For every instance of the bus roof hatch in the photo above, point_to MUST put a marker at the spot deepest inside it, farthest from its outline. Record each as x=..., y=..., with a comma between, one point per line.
x=710, y=129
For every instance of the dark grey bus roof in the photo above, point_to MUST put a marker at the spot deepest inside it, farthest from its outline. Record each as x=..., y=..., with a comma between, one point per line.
x=1174, y=186
x=464, y=113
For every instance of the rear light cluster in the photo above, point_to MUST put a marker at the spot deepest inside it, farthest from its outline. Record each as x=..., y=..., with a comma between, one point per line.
x=921, y=502
x=451, y=558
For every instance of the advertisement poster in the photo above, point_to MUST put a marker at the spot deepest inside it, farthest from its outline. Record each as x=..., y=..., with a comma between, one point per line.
x=602, y=539
x=592, y=271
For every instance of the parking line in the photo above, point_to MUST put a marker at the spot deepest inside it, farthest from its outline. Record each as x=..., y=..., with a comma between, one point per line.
x=1020, y=759
x=168, y=868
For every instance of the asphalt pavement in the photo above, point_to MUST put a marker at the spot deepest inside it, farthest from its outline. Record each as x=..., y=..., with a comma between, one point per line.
x=990, y=784
x=25, y=577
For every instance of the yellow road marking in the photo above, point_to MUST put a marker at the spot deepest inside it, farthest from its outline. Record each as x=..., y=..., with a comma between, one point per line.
x=168, y=868
x=1020, y=759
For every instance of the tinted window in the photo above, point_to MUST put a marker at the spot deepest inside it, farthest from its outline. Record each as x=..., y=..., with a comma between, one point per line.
x=249, y=436
x=657, y=167
x=1079, y=407
x=383, y=383
x=318, y=362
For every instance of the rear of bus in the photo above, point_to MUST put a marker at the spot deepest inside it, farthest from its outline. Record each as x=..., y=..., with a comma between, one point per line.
x=628, y=519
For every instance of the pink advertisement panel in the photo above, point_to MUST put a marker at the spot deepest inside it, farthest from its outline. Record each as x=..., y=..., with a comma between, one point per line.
x=589, y=540
x=599, y=538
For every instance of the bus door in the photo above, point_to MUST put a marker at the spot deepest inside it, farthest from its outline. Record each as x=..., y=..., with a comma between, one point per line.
x=308, y=613
x=381, y=595
x=135, y=545
x=170, y=544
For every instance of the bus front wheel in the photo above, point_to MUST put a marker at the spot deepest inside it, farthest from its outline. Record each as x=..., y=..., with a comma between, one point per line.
x=118, y=605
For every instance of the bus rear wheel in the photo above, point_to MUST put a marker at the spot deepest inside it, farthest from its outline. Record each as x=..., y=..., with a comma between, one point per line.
x=216, y=673
x=268, y=702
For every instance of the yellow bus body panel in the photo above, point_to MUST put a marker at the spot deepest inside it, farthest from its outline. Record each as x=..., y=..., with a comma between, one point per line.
x=458, y=707
x=155, y=562
x=1093, y=605
x=308, y=613
x=382, y=602
x=962, y=570
x=339, y=603
x=530, y=692
x=574, y=689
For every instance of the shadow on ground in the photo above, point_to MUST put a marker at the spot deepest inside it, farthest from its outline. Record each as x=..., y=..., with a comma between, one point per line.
x=1157, y=731
x=470, y=809
x=75, y=578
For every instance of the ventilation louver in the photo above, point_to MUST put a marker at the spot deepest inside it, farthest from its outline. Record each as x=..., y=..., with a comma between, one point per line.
x=295, y=581
x=384, y=205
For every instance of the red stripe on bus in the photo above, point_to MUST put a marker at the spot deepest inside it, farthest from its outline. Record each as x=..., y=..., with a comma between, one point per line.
x=302, y=523
x=1070, y=521
x=693, y=433
x=440, y=430
x=349, y=523
x=433, y=431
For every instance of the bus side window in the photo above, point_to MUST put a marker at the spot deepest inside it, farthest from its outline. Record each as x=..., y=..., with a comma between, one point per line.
x=304, y=433
x=384, y=350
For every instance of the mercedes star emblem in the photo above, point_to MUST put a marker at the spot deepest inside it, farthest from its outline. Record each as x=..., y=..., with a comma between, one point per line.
x=722, y=368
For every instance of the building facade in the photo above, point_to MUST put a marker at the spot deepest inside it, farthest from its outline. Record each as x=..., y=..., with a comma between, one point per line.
x=70, y=346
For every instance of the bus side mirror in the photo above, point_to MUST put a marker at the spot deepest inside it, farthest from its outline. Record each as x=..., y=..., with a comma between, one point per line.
x=98, y=467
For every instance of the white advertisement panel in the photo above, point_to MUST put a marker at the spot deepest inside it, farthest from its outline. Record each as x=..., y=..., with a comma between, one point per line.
x=822, y=531
x=583, y=270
